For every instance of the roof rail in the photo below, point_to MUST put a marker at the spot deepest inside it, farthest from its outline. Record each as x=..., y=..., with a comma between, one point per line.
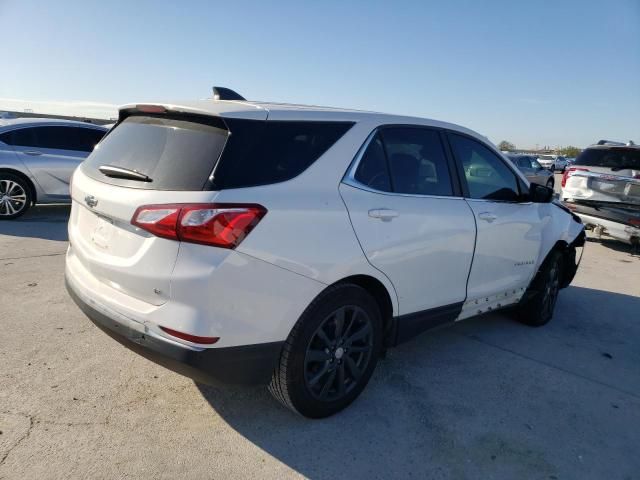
x=223, y=93
x=609, y=142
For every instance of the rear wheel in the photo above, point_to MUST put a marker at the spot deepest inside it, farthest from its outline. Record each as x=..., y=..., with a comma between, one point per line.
x=330, y=354
x=15, y=196
x=540, y=299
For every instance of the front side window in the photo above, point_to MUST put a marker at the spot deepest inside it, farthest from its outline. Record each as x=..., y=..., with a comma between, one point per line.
x=23, y=137
x=55, y=137
x=487, y=176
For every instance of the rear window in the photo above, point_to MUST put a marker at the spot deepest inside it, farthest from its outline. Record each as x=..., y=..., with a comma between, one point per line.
x=614, y=158
x=196, y=152
x=175, y=154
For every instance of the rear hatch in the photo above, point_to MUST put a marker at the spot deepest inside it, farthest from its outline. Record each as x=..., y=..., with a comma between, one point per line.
x=151, y=157
x=610, y=174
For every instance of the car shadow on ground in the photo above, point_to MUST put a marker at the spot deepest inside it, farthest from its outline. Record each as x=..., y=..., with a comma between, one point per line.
x=633, y=250
x=48, y=222
x=453, y=401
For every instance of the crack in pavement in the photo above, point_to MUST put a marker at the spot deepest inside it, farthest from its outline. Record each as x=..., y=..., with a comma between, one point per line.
x=35, y=256
x=549, y=365
x=21, y=439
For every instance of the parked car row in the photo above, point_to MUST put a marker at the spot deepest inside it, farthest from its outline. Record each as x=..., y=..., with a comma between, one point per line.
x=37, y=158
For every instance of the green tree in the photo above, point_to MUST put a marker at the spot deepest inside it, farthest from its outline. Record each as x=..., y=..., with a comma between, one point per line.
x=571, y=152
x=506, y=146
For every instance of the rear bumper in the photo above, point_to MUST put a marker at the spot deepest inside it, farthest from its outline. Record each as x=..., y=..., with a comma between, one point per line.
x=612, y=219
x=247, y=364
x=619, y=231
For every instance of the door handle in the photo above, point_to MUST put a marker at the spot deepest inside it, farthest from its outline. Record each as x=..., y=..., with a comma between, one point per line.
x=487, y=216
x=33, y=153
x=383, y=213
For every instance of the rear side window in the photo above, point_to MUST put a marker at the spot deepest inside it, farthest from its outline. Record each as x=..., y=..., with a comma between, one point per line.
x=373, y=170
x=406, y=160
x=266, y=152
x=176, y=154
x=87, y=138
x=417, y=161
x=614, y=158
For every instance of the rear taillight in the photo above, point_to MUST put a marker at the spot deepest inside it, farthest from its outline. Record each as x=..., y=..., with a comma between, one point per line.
x=217, y=224
x=567, y=173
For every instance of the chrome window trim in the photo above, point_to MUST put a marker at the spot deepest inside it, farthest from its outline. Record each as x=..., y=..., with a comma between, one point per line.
x=349, y=177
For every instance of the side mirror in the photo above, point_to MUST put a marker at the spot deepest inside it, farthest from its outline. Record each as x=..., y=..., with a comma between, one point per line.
x=540, y=193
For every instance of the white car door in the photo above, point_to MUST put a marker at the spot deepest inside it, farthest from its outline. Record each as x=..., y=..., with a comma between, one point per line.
x=509, y=227
x=404, y=204
x=52, y=153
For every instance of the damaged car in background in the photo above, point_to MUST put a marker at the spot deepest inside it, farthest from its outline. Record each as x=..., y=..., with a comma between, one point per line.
x=602, y=187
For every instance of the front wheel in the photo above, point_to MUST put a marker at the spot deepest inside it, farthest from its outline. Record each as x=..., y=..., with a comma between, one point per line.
x=330, y=354
x=15, y=196
x=540, y=299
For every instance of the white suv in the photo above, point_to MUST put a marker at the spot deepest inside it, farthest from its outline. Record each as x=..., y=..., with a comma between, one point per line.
x=251, y=242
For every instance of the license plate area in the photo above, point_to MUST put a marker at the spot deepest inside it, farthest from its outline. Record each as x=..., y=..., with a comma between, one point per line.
x=102, y=233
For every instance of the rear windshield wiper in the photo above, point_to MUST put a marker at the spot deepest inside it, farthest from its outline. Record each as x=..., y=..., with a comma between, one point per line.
x=124, y=173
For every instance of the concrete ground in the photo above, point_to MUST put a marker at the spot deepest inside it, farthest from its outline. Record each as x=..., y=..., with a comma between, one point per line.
x=486, y=398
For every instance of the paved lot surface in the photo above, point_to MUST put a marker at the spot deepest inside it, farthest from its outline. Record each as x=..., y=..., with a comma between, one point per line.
x=486, y=398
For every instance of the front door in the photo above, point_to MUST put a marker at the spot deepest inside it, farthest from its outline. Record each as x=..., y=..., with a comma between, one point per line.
x=509, y=227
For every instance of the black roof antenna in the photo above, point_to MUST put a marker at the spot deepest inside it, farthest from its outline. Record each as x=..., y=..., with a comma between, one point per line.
x=222, y=93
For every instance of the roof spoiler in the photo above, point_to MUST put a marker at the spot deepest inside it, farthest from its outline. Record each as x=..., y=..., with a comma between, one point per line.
x=223, y=93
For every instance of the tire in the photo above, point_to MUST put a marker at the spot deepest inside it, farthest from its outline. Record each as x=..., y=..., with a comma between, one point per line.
x=550, y=183
x=316, y=360
x=15, y=196
x=540, y=298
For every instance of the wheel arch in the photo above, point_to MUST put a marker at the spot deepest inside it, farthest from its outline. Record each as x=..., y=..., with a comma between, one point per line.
x=568, y=253
x=29, y=182
x=380, y=294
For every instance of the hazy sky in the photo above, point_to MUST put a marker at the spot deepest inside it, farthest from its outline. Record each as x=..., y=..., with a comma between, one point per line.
x=535, y=72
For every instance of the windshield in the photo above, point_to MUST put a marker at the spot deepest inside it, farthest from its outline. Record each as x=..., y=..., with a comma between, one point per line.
x=614, y=158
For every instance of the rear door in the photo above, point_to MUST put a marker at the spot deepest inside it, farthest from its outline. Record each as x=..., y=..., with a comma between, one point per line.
x=52, y=153
x=509, y=226
x=410, y=219
x=177, y=154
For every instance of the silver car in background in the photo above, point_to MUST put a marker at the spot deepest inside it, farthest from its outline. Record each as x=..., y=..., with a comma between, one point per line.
x=553, y=162
x=37, y=158
x=535, y=172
